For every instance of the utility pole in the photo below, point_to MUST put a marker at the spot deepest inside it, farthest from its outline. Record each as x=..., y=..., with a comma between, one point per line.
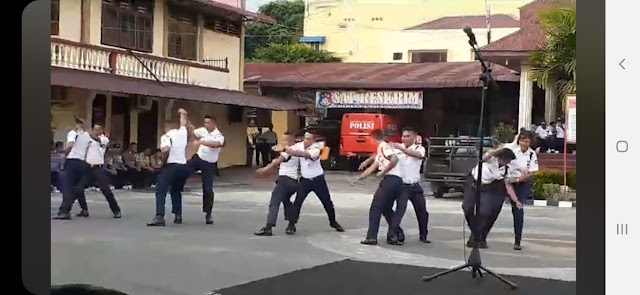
x=488, y=17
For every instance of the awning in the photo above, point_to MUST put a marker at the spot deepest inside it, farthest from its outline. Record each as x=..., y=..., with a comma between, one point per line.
x=121, y=84
x=320, y=39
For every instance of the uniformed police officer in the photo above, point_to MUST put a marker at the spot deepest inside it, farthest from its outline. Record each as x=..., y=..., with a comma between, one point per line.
x=493, y=190
x=74, y=168
x=411, y=161
x=521, y=172
x=312, y=180
x=210, y=141
x=175, y=171
x=286, y=186
x=385, y=162
x=95, y=170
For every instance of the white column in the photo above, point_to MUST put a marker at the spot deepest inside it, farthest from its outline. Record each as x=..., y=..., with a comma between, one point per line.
x=159, y=27
x=525, y=105
x=108, y=111
x=550, y=101
x=168, y=109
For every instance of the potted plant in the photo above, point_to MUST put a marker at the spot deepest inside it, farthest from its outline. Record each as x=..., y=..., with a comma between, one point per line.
x=552, y=193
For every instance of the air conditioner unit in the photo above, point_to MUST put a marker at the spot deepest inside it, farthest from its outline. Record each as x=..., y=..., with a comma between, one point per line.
x=144, y=102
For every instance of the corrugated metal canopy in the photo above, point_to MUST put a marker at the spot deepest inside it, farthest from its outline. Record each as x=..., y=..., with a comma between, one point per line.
x=121, y=84
x=372, y=76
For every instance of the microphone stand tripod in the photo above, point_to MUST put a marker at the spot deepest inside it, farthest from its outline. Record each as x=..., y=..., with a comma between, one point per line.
x=475, y=262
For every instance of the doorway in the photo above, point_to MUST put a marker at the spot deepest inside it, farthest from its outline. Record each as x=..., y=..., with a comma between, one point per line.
x=148, y=128
x=120, y=120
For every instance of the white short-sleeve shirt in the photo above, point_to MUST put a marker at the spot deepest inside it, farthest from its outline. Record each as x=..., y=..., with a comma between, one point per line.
x=81, y=141
x=207, y=153
x=525, y=162
x=310, y=168
x=289, y=167
x=543, y=132
x=176, y=141
x=383, y=152
x=560, y=132
x=491, y=171
x=95, y=153
x=411, y=165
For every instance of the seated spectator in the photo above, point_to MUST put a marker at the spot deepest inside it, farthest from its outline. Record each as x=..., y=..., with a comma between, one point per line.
x=156, y=163
x=146, y=171
x=57, y=166
x=130, y=157
x=117, y=162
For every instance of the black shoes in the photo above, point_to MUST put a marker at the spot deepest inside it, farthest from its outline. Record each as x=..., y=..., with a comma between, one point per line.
x=425, y=240
x=208, y=219
x=177, y=219
x=370, y=242
x=517, y=247
x=83, y=213
x=117, y=215
x=62, y=216
x=265, y=231
x=291, y=229
x=401, y=236
x=471, y=243
x=337, y=226
x=157, y=221
x=394, y=241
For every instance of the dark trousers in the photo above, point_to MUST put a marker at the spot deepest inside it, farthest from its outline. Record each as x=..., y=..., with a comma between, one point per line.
x=207, y=172
x=559, y=144
x=259, y=149
x=382, y=205
x=523, y=191
x=172, y=179
x=488, y=207
x=100, y=178
x=73, y=186
x=415, y=194
x=249, y=156
x=285, y=188
x=319, y=186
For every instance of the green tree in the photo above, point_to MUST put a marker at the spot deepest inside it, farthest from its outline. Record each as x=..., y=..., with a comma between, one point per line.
x=557, y=58
x=293, y=53
x=290, y=18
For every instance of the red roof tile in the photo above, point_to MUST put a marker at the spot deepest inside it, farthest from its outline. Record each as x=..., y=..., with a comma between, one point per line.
x=530, y=36
x=475, y=21
x=239, y=10
x=372, y=76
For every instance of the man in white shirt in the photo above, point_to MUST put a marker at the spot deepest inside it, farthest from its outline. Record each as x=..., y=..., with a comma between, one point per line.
x=312, y=180
x=560, y=134
x=492, y=189
x=411, y=160
x=95, y=170
x=521, y=172
x=74, y=168
x=209, y=140
x=175, y=172
x=386, y=163
x=286, y=186
x=544, y=132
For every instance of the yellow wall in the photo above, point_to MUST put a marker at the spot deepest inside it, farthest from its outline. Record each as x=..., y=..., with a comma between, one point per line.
x=363, y=40
x=62, y=115
x=70, y=19
x=216, y=45
x=284, y=121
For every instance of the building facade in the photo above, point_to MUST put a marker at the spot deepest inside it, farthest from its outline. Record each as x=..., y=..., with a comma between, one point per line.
x=405, y=31
x=131, y=64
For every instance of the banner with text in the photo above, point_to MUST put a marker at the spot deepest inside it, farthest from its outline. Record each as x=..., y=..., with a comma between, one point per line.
x=571, y=118
x=411, y=100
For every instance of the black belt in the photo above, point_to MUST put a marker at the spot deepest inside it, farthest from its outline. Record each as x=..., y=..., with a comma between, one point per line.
x=93, y=166
x=411, y=184
x=313, y=177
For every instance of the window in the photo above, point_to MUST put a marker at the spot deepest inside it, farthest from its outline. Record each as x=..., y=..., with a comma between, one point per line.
x=397, y=56
x=55, y=16
x=128, y=24
x=428, y=56
x=233, y=28
x=315, y=45
x=183, y=34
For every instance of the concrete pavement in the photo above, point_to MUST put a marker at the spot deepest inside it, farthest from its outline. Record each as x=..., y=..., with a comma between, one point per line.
x=193, y=258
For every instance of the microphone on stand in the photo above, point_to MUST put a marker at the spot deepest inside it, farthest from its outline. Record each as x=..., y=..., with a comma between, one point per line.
x=470, y=34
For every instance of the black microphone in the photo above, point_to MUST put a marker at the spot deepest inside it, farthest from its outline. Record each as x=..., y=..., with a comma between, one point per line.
x=469, y=32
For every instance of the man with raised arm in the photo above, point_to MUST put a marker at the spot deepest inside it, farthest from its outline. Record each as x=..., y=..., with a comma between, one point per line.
x=286, y=186
x=175, y=171
x=209, y=141
x=312, y=180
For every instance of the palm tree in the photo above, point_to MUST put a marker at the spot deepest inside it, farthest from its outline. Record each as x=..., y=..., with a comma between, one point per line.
x=557, y=58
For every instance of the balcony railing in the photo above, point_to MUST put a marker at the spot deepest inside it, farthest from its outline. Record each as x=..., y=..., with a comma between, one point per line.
x=88, y=57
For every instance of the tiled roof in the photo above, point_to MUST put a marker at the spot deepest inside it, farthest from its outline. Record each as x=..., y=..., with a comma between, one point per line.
x=371, y=75
x=475, y=21
x=237, y=9
x=530, y=36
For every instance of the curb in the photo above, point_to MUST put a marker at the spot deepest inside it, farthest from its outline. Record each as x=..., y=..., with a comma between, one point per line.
x=546, y=203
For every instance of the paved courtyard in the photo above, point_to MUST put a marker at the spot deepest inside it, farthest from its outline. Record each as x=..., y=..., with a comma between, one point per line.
x=194, y=258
